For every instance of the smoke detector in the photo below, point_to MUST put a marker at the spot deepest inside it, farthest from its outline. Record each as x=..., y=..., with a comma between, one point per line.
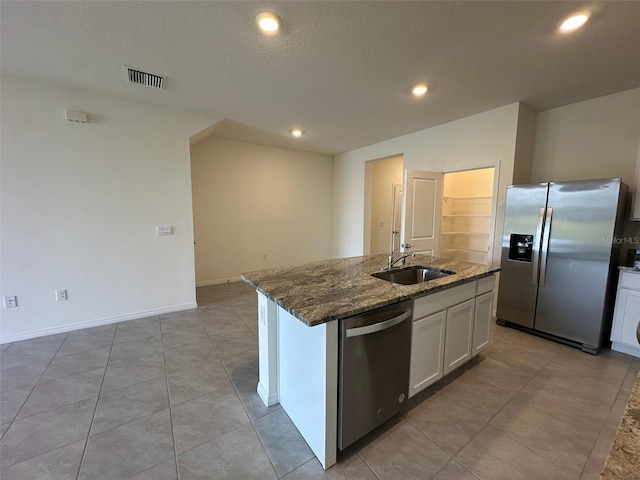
x=148, y=79
x=78, y=117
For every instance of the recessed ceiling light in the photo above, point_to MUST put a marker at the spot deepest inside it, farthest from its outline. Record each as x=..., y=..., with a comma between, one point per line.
x=296, y=132
x=574, y=22
x=419, y=90
x=268, y=22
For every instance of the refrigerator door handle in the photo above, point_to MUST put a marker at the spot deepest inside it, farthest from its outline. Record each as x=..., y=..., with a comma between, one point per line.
x=545, y=246
x=536, y=248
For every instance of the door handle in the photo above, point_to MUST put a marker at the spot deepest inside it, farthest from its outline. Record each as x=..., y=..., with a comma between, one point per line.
x=536, y=247
x=545, y=246
x=406, y=245
x=378, y=327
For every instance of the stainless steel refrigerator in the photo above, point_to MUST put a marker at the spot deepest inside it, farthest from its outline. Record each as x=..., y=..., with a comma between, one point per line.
x=559, y=252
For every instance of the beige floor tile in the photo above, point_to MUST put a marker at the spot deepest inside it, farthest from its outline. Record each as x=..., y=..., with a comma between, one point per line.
x=449, y=425
x=595, y=464
x=454, y=471
x=404, y=452
x=236, y=455
x=352, y=468
x=472, y=392
x=492, y=455
x=566, y=444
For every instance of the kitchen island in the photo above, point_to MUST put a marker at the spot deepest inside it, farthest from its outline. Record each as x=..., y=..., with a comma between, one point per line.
x=299, y=308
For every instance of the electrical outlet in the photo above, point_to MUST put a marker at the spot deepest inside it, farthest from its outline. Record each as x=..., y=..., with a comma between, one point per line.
x=61, y=295
x=10, y=301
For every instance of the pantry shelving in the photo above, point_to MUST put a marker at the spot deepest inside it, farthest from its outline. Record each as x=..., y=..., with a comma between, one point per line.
x=465, y=228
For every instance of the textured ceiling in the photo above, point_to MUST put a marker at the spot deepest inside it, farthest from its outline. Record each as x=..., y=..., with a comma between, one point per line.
x=341, y=70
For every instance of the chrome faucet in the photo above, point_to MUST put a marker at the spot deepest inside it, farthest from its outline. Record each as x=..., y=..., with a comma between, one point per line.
x=402, y=259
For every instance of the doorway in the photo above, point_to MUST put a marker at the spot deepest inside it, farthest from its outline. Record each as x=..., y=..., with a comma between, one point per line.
x=468, y=219
x=384, y=184
x=396, y=217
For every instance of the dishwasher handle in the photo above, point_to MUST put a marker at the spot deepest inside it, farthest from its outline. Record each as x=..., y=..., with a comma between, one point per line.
x=378, y=327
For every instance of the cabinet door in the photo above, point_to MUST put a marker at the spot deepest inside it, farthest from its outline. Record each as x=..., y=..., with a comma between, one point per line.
x=458, y=335
x=427, y=344
x=482, y=322
x=626, y=317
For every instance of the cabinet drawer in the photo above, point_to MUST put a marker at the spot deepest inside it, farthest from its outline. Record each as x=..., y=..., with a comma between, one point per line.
x=486, y=284
x=423, y=306
x=629, y=280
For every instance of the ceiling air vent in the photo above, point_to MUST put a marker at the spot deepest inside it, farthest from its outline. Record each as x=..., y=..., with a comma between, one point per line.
x=135, y=75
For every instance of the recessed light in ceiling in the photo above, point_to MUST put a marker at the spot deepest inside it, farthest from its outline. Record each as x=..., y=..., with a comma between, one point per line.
x=268, y=22
x=296, y=132
x=574, y=22
x=419, y=90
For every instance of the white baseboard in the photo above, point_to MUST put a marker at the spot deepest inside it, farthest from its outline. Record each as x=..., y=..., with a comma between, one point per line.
x=207, y=283
x=68, y=327
x=624, y=348
x=267, y=399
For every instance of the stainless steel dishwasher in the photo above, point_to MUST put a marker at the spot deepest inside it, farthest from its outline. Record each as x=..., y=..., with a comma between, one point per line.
x=375, y=351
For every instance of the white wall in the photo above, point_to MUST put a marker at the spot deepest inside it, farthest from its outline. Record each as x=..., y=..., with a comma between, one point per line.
x=480, y=140
x=384, y=173
x=596, y=138
x=252, y=201
x=80, y=203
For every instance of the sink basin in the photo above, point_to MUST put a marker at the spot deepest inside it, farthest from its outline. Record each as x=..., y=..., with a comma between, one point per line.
x=412, y=275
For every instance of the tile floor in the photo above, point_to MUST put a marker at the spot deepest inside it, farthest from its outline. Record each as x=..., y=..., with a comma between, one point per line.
x=173, y=396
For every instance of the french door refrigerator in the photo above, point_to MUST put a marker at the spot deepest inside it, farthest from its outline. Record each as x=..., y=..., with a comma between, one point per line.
x=558, y=258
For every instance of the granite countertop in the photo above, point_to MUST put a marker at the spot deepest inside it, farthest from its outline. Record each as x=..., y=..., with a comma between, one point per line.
x=319, y=292
x=623, y=462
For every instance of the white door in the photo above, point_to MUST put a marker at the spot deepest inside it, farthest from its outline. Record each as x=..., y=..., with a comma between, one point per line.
x=396, y=220
x=422, y=209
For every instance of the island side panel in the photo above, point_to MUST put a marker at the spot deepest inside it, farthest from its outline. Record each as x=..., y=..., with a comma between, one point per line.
x=308, y=382
x=268, y=350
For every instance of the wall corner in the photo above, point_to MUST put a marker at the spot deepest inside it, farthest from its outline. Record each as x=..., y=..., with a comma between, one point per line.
x=525, y=135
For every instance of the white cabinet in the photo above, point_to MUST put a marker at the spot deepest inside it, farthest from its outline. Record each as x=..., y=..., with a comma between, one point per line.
x=627, y=314
x=482, y=322
x=427, y=351
x=449, y=327
x=443, y=331
x=458, y=335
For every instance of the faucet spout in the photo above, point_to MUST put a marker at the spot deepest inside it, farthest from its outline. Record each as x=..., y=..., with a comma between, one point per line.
x=402, y=259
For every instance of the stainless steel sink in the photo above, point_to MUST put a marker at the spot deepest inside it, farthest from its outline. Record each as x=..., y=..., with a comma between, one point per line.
x=412, y=275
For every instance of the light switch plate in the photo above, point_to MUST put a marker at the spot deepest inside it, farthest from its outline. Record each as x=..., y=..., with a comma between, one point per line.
x=10, y=301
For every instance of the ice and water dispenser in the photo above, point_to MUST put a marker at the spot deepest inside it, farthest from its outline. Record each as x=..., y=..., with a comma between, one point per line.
x=520, y=247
